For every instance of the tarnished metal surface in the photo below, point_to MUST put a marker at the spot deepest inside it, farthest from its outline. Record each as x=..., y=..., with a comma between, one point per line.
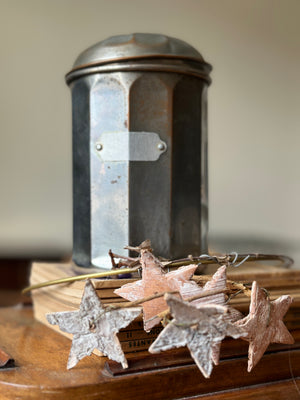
x=140, y=52
x=123, y=199
x=185, y=67
x=136, y=46
x=130, y=146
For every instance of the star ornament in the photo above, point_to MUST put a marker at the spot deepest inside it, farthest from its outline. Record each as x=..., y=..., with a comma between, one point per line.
x=217, y=282
x=263, y=324
x=155, y=280
x=197, y=328
x=93, y=327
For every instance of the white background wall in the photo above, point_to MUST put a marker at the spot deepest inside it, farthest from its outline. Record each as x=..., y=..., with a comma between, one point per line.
x=254, y=119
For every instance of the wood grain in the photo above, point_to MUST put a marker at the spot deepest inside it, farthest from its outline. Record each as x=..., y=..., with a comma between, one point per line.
x=287, y=389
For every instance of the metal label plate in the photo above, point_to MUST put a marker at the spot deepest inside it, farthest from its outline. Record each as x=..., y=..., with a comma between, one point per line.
x=130, y=146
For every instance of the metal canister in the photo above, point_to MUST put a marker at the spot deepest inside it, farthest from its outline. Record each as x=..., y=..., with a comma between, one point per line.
x=139, y=148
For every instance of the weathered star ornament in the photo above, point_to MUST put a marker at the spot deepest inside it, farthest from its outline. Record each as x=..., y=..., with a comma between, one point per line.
x=263, y=324
x=217, y=282
x=197, y=328
x=94, y=328
x=153, y=281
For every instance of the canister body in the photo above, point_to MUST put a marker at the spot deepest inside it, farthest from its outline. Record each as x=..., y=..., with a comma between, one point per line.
x=139, y=148
x=123, y=201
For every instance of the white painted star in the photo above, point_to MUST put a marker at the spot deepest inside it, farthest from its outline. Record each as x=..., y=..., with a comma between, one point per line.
x=197, y=328
x=94, y=328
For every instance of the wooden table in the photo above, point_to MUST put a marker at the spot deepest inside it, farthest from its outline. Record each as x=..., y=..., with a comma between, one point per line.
x=41, y=355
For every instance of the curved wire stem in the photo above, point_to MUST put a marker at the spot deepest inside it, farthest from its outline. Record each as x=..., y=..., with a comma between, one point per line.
x=69, y=279
x=232, y=259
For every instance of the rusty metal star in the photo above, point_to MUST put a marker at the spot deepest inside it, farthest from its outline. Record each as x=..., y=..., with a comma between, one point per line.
x=197, y=328
x=155, y=280
x=93, y=327
x=264, y=324
x=218, y=281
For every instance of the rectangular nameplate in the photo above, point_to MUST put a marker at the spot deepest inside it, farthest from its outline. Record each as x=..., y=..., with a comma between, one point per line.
x=130, y=146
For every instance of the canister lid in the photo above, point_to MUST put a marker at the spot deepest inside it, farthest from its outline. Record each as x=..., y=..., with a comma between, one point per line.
x=136, y=46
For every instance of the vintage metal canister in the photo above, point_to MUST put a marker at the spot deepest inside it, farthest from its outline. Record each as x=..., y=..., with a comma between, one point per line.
x=139, y=148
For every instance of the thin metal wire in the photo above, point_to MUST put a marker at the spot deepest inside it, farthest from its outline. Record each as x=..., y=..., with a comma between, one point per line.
x=235, y=257
x=242, y=262
x=204, y=259
x=286, y=261
x=79, y=277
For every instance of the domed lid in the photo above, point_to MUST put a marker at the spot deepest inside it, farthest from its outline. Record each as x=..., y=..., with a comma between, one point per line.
x=133, y=46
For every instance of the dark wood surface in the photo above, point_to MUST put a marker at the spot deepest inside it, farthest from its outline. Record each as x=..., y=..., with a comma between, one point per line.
x=14, y=273
x=284, y=390
x=41, y=355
